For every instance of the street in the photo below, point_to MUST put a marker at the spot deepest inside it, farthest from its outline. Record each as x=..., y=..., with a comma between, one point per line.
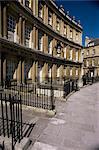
x=75, y=125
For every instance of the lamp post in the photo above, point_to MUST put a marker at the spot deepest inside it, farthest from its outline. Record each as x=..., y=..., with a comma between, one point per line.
x=58, y=49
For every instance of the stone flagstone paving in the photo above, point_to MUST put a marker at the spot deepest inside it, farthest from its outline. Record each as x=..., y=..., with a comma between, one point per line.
x=74, y=127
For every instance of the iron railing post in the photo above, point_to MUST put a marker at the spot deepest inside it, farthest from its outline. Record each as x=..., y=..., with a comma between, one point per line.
x=52, y=99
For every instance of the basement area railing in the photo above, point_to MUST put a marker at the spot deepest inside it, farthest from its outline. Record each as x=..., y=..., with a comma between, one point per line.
x=41, y=95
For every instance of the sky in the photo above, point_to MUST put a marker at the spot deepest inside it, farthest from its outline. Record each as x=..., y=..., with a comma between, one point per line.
x=85, y=11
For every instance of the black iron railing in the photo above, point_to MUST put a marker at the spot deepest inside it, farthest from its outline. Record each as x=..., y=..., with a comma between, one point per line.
x=38, y=94
x=11, y=117
x=89, y=80
x=34, y=94
x=70, y=86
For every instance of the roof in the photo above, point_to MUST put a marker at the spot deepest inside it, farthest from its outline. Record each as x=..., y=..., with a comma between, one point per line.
x=94, y=42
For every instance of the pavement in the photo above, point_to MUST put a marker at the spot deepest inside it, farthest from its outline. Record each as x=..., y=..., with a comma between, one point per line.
x=74, y=127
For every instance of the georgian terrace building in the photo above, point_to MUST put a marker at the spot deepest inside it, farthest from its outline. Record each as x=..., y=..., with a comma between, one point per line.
x=91, y=57
x=29, y=33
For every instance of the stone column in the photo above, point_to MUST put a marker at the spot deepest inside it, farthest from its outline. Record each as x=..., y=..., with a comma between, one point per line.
x=36, y=7
x=53, y=48
x=79, y=55
x=34, y=71
x=20, y=30
x=23, y=1
x=73, y=72
x=4, y=69
x=47, y=70
x=80, y=38
x=36, y=39
x=5, y=21
x=68, y=71
x=22, y=71
x=61, y=71
x=44, y=72
x=54, y=21
x=0, y=20
x=23, y=33
x=45, y=45
x=45, y=14
x=62, y=51
x=31, y=39
x=52, y=67
x=33, y=6
x=74, y=35
x=55, y=71
x=19, y=72
x=68, y=32
x=62, y=27
x=68, y=53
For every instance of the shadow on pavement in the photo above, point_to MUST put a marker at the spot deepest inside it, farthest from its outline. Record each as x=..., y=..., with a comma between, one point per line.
x=95, y=148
